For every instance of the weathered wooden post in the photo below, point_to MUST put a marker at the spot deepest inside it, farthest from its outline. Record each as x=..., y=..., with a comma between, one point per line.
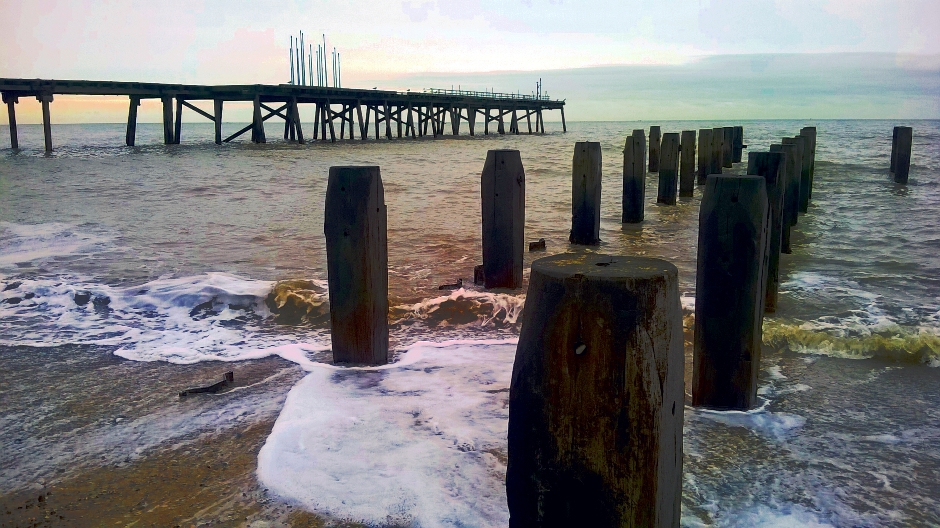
x=773, y=168
x=791, y=193
x=669, y=169
x=218, y=121
x=257, y=128
x=586, y=176
x=796, y=176
x=902, y=165
x=167, y=119
x=738, y=145
x=655, y=138
x=634, y=178
x=503, y=207
x=894, y=150
x=804, y=147
x=294, y=114
x=596, y=401
x=687, y=163
x=718, y=137
x=357, y=264
x=727, y=147
x=45, y=99
x=178, y=130
x=729, y=292
x=704, y=154
x=810, y=134
x=131, y=134
x=11, y=101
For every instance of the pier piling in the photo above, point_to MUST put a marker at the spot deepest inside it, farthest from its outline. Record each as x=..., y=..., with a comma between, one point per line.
x=355, y=226
x=167, y=120
x=596, y=401
x=729, y=292
x=655, y=146
x=704, y=154
x=738, y=145
x=904, y=138
x=10, y=101
x=668, y=169
x=772, y=167
x=586, y=176
x=503, y=207
x=178, y=129
x=131, y=134
x=217, y=104
x=634, y=178
x=45, y=99
x=687, y=163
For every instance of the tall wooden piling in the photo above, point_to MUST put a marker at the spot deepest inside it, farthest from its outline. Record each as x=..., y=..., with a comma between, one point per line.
x=773, y=168
x=503, y=207
x=791, y=194
x=586, y=176
x=596, y=401
x=655, y=148
x=738, y=144
x=11, y=101
x=894, y=150
x=804, y=154
x=178, y=129
x=668, y=169
x=257, y=128
x=902, y=165
x=217, y=103
x=795, y=178
x=810, y=134
x=729, y=292
x=718, y=137
x=634, y=178
x=357, y=264
x=131, y=134
x=704, y=154
x=45, y=99
x=687, y=163
x=727, y=147
x=167, y=120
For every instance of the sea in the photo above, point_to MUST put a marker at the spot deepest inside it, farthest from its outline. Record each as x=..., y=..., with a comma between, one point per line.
x=120, y=264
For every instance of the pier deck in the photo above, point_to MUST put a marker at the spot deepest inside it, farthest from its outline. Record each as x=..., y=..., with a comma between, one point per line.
x=413, y=114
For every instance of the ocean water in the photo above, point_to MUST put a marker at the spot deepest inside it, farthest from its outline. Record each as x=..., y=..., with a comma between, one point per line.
x=194, y=253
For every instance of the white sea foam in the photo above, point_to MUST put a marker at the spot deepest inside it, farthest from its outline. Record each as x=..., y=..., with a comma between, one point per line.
x=421, y=442
x=775, y=425
x=20, y=243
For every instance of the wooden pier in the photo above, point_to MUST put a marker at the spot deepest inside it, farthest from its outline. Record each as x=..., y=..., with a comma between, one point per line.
x=338, y=110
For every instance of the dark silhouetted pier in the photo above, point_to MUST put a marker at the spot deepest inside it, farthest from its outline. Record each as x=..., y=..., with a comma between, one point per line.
x=340, y=112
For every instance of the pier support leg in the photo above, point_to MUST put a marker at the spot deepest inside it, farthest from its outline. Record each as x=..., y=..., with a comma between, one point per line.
x=486, y=122
x=528, y=119
x=295, y=118
x=501, y=124
x=257, y=130
x=634, y=178
x=687, y=164
x=328, y=116
x=388, y=121
x=738, y=145
x=357, y=264
x=131, y=134
x=363, y=125
x=727, y=147
x=586, y=176
x=471, y=119
x=539, y=123
x=217, y=104
x=902, y=165
x=668, y=169
x=729, y=292
x=596, y=402
x=704, y=154
x=11, y=101
x=514, y=124
x=655, y=147
x=772, y=167
x=503, y=206
x=167, y=120
x=45, y=99
x=177, y=131
x=564, y=127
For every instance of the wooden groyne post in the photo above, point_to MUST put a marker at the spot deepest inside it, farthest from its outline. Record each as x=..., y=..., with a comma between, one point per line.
x=901, y=153
x=586, y=176
x=729, y=292
x=355, y=225
x=634, y=178
x=687, y=163
x=727, y=147
x=596, y=398
x=655, y=138
x=791, y=194
x=804, y=155
x=738, y=145
x=796, y=175
x=810, y=133
x=669, y=169
x=718, y=136
x=704, y=154
x=503, y=207
x=772, y=167
x=11, y=100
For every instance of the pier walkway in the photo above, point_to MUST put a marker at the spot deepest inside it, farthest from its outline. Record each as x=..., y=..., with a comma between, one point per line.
x=340, y=112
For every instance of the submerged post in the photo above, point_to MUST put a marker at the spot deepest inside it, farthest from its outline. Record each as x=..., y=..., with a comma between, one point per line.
x=738, y=144
x=167, y=119
x=131, y=133
x=795, y=177
x=804, y=147
x=503, y=206
x=772, y=167
x=791, y=194
x=687, y=163
x=634, y=178
x=704, y=154
x=902, y=165
x=257, y=128
x=179, y=120
x=894, y=150
x=11, y=101
x=727, y=147
x=596, y=401
x=357, y=264
x=218, y=121
x=45, y=99
x=586, y=175
x=655, y=138
x=729, y=292
x=669, y=169
x=810, y=134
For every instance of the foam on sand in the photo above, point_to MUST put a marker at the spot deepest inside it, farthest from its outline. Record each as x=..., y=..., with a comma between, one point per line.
x=421, y=441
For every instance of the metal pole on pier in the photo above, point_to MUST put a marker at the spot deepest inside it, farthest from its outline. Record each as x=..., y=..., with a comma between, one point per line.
x=292, y=59
x=303, y=71
x=310, y=62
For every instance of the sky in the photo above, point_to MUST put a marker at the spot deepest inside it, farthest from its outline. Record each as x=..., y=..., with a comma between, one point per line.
x=477, y=43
